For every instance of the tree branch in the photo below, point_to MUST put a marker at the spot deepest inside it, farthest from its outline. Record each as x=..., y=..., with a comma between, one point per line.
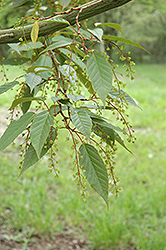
x=46, y=28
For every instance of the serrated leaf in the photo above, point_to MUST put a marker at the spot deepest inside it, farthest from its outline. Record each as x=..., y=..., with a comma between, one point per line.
x=82, y=121
x=35, y=32
x=95, y=170
x=114, y=94
x=40, y=129
x=96, y=116
x=30, y=45
x=26, y=105
x=31, y=157
x=84, y=80
x=25, y=99
x=97, y=33
x=61, y=38
x=44, y=61
x=78, y=51
x=90, y=106
x=32, y=80
x=86, y=35
x=107, y=134
x=60, y=41
x=57, y=108
x=15, y=47
x=55, y=99
x=112, y=25
x=56, y=20
x=14, y=129
x=16, y=61
x=65, y=3
x=124, y=40
x=96, y=107
x=76, y=98
x=65, y=101
x=5, y=87
x=69, y=72
x=100, y=74
x=74, y=58
x=105, y=124
x=18, y=3
x=120, y=141
x=38, y=69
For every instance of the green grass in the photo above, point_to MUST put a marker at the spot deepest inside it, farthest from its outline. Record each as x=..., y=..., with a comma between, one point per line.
x=37, y=203
x=12, y=72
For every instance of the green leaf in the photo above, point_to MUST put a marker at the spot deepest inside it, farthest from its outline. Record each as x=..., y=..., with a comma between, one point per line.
x=79, y=52
x=65, y=101
x=56, y=20
x=18, y=3
x=44, y=61
x=26, y=105
x=30, y=45
x=25, y=99
x=5, y=87
x=31, y=157
x=120, y=141
x=74, y=58
x=90, y=106
x=15, y=47
x=35, y=32
x=61, y=38
x=76, y=98
x=69, y=72
x=84, y=80
x=82, y=121
x=55, y=99
x=105, y=124
x=61, y=100
x=96, y=116
x=96, y=107
x=16, y=61
x=60, y=41
x=124, y=40
x=40, y=129
x=15, y=128
x=114, y=94
x=85, y=34
x=100, y=74
x=97, y=33
x=95, y=170
x=38, y=69
x=112, y=25
x=32, y=80
x=107, y=134
x=65, y=3
x=57, y=108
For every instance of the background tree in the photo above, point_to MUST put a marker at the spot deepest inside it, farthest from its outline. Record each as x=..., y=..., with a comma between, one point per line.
x=146, y=25
x=74, y=84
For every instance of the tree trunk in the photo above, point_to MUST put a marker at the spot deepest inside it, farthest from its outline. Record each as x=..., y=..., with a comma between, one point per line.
x=45, y=28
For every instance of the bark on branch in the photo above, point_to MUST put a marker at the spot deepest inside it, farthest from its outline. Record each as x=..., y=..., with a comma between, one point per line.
x=46, y=28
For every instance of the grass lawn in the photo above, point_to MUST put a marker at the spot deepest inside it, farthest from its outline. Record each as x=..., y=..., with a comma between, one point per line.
x=39, y=204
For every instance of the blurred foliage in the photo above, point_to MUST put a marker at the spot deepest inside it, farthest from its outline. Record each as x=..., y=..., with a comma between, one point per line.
x=10, y=15
x=143, y=22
